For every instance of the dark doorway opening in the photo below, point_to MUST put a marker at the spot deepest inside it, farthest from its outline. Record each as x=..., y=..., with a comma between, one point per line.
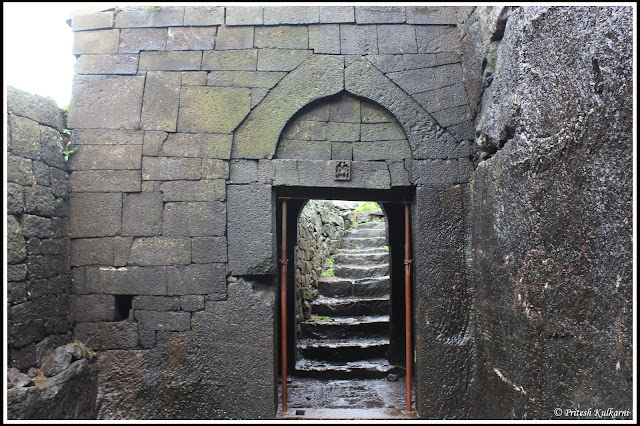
x=393, y=203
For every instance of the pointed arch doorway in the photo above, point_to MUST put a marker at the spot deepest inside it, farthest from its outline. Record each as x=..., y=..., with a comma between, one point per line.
x=435, y=170
x=396, y=204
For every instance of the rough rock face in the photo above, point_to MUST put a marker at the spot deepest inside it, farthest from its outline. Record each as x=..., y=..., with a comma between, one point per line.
x=64, y=387
x=521, y=247
x=552, y=218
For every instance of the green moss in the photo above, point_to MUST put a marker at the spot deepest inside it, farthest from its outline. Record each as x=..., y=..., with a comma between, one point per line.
x=330, y=272
x=366, y=206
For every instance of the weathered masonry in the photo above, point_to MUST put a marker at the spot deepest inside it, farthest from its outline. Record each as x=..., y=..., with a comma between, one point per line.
x=507, y=129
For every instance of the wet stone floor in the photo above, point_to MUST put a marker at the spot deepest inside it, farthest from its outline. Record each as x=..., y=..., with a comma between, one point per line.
x=310, y=398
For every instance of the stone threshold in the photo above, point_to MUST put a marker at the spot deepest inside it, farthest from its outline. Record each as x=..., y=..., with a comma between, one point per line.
x=346, y=414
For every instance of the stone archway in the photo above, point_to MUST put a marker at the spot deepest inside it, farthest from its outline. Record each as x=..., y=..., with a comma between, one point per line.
x=321, y=76
x=437, y=172
x=364, y=138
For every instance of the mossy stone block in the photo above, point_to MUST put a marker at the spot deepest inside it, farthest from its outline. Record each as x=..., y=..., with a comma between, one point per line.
x=212, y=109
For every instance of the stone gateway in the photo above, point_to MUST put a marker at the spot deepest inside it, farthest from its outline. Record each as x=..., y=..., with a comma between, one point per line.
x=506, y=130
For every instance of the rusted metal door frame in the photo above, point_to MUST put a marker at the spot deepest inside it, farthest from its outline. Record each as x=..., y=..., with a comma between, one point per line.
x=407, y=306
x=283, y=306
x=407, y=296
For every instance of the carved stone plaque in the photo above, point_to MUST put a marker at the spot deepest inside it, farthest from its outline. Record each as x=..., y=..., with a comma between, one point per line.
x=343, y=170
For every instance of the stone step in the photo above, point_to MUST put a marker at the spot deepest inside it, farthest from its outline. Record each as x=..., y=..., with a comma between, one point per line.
x=362, y=369
x=345, y=287
x=365, y=242
x=361, y=271
x=360, y=256
x=345, y=327
x=363, y=250
x=350, y=349
x=366, y=232
x=371, y=225
x=350, y=306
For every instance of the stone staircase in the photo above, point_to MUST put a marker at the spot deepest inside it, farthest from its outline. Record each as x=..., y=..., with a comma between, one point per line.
x=347, y=336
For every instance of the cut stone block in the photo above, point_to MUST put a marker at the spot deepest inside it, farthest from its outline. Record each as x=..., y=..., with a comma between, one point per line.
x=107, y=137
x=437, y=38
x=345, y=109
x=91, y=251
x=336, y=14
x=92, y=307
x=111, y=102
x=306, y=130
x=170, y=61
x=105, y=181
x=435, y=15
x=381, y=132
x=38, y=108
x=133, y=280
x=234, y=38
x=279, y=15
x=230, y=60
x=282, y=37
x=108, y=335
x=106, y=157
x=107, y=64
x=324, y=38
x=304, y=149
x=168, y=168
x=212, y=109
x=244, y=15
x=281, y=59
x=210, y=279
x=201, y=145
x=142, y=214
x=160, y=102
x=394, y=39
x=133, y=40
x=208, y=249
x=163, y=321
x=160, y=251
x=243, y=171
x=92, y=21
x=97, y=42
x=191, y=38
x=380, y=14
x=258, y=79
x=95, y=214
x=343, y=132
x=194, y=219
x=250, y=247
x=358, y=39
x=204, y=15
x=381, y=150
x=194, y=190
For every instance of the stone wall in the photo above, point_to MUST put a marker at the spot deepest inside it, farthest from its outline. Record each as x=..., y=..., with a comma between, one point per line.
x=321, y=229
x=552, y=215
x=179, y=113
x=38, y=287
x=181, y=117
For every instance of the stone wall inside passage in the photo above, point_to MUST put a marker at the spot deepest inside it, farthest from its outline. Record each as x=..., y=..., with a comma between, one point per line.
x=38, y=274
x=321, y=228
x=508, y=128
